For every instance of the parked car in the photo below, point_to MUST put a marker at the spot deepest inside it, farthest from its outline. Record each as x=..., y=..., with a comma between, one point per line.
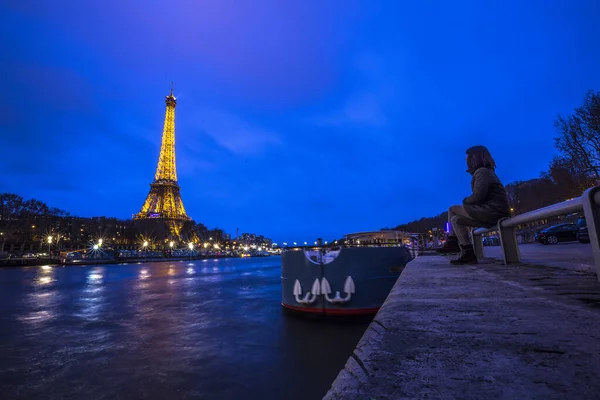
x=558, y=233
x=491, y=241
x=582, y=233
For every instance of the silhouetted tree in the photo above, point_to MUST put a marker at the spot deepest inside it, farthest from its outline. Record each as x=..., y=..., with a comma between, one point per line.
x=579, y=137
x=11, y=209
x=569, y=176
x=425, y=224
x=532, y=194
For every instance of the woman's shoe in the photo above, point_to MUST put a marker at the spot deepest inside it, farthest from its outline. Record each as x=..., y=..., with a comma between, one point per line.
x=450, y=247
x=467, y=256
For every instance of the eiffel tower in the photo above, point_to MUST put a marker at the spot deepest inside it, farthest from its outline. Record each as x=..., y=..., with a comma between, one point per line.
x=163, y=203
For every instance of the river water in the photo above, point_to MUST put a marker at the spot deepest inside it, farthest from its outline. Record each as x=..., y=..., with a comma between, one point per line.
x=208, y=329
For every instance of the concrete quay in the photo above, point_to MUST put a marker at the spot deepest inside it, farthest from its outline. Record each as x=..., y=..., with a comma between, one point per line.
x=570, y=255
x=489, y=331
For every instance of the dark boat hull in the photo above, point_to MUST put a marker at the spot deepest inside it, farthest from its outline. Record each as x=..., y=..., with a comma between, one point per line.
x=371, y=270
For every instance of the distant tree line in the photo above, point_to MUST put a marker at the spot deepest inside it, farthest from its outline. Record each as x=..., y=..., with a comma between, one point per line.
x=574, y=169
x=28, y=225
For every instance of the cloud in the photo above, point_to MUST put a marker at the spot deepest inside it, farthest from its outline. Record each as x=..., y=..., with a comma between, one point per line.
x=362, y=109
x=234, y=133
x=365, y=102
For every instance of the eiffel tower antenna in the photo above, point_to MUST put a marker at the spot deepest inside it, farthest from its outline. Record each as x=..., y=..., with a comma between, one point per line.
x=164, y=200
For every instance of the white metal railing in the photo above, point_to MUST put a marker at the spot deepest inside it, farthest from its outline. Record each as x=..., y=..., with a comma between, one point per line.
x=589, y=203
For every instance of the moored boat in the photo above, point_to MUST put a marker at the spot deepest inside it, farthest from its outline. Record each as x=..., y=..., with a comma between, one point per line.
x=348, y=280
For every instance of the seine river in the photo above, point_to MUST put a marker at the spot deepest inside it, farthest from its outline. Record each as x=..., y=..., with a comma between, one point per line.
x=208, y=329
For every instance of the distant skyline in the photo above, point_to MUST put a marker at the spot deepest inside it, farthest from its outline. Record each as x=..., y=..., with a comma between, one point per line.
x=295, y=120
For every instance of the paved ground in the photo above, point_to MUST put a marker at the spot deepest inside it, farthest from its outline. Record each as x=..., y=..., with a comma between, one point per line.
x=572, y=255
x=481, y=332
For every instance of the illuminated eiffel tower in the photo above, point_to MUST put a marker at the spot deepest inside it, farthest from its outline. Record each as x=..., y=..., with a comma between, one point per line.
x=163, y=203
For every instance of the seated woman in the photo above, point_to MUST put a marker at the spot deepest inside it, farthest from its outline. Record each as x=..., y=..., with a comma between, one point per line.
x=484, y=208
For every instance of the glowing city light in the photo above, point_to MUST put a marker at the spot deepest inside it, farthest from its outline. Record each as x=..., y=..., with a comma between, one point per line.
x=191, y=246
x=49, y=239
x=95, y=247
x=171, y=244
x=100, y=242
x=145, y=244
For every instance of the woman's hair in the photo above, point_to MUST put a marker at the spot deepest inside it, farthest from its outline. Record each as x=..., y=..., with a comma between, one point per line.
x=479, y=157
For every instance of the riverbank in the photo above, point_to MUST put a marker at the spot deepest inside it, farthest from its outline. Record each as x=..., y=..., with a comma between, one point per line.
x=487, y=331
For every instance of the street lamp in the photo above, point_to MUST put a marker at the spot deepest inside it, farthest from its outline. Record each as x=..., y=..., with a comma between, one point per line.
x=191, y=246
x=49, y=243
x=99, y=242
x=171, y=244
x=145, y=244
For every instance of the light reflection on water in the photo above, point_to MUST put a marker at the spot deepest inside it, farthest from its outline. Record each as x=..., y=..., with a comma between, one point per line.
x=42, y=299
x=162, y=330
x=92, y=302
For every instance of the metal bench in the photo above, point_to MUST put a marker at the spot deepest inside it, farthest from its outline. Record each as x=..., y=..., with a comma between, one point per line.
x=589, y=203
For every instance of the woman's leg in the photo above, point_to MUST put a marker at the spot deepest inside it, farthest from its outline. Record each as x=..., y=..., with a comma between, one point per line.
x=462, y=225
x=454, y=211
x=461, y=231
x=451, y=245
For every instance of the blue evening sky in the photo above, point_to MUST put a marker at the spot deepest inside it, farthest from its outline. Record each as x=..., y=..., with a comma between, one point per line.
x=295, y=119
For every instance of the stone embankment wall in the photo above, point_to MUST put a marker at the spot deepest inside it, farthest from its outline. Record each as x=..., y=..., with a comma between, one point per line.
x=480, y=332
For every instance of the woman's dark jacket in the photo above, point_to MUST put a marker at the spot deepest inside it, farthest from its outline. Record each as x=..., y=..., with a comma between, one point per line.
x=489, y=202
